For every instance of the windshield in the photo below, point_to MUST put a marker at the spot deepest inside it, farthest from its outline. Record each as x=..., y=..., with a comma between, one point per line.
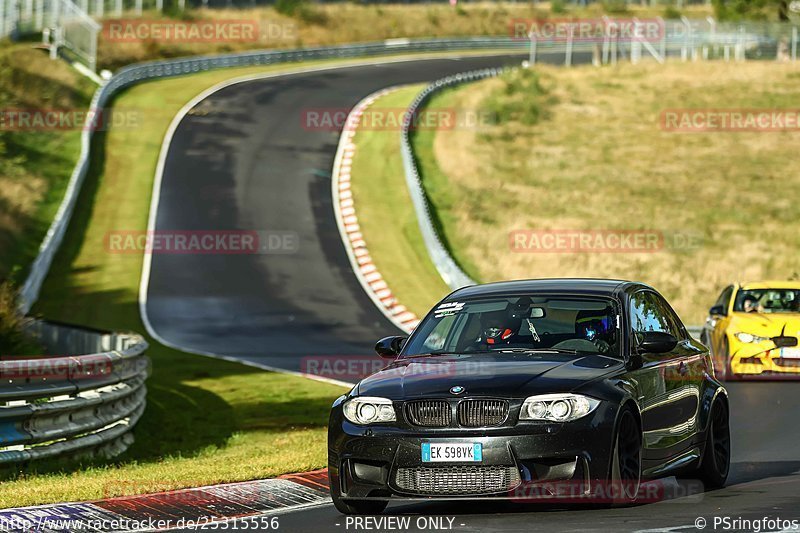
x=768, y=301
x=519, y=323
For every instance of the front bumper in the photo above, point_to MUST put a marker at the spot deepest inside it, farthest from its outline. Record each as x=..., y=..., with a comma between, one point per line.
x=753, y=361
x=519, y=461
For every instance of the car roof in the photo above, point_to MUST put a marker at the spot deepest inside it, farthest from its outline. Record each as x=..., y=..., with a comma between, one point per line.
x=602, y=287
x=771, y=285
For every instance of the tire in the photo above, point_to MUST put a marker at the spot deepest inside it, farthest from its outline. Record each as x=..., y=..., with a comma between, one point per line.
x=626, y=461
x=356, y=507
x=716, y=461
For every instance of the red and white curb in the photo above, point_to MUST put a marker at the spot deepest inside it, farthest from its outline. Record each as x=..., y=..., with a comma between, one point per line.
x=345, y=209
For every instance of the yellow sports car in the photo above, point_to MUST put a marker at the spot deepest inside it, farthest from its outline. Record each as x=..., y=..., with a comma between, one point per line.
x=753, y=331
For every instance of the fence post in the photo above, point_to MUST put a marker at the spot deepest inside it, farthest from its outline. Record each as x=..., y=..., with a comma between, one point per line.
x=138, y=8
x=687, y=39
x=532, y=55
x=93, y=51
x=794, y=43
x=159, y=5
x=182, y=4
x=568, y=58
x=740, y=56
x=55, y=16
x=39, y=22
x=118, y=8
x=3, y=17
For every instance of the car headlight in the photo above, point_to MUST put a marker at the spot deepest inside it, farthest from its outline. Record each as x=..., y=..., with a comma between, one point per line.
x=749, y=337
x=368, y=410
x=557, y=407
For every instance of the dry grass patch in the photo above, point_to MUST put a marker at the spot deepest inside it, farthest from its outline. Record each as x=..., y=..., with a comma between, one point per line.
x=583, y=149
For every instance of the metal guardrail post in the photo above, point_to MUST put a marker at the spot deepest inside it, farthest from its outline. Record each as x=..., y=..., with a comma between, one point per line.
x=794, y=43
x=532, y=54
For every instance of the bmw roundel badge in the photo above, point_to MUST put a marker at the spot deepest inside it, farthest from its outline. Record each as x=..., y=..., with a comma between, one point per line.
x=458, y=389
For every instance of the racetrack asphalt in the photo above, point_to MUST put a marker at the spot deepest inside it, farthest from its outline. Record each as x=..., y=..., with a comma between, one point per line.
x=242, y=159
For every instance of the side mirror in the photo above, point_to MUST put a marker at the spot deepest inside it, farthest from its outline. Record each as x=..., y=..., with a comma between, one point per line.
x=717, y=310
x=655, y=342
x=389, y=347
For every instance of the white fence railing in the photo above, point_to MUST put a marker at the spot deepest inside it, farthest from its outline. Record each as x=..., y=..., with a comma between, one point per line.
x=63, y=23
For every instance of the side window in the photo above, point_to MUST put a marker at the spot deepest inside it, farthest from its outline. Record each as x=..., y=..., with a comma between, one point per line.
x=438, y=337
x=648, y=314
x=676, y=327
x=725, y=298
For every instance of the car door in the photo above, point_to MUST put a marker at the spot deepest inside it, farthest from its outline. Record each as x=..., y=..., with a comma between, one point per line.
x=690, y=379
x=667, y=405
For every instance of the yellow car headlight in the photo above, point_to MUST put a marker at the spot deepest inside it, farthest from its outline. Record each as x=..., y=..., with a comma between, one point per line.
x=749, y=338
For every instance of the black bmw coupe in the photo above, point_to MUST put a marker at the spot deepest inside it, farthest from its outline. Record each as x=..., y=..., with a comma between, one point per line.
x=574, y=388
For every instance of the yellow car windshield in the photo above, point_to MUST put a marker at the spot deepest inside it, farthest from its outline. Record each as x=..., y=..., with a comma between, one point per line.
x=768, y=301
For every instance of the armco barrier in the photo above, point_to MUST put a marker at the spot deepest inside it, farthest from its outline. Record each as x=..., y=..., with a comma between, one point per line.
x=72, y=404
x=448, y=269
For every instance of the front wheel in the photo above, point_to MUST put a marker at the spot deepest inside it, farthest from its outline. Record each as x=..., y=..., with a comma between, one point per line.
x=626, y=462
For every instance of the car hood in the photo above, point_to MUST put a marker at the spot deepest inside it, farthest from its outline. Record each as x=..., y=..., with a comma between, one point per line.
x=766, y=325
x=503, y=375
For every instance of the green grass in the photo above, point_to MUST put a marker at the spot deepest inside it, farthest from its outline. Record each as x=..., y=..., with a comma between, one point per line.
x=386, y=214
x=35, y=166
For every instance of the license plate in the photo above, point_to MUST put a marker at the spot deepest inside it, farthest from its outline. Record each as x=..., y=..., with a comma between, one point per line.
x=790, y=353
x=452, y=452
